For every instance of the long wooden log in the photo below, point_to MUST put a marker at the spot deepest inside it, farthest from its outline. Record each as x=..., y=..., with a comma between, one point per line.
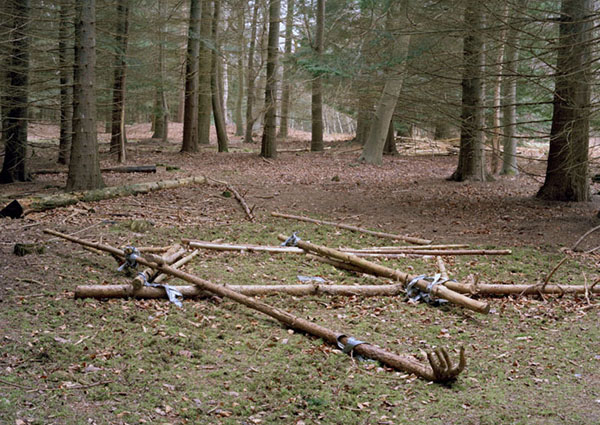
x=410, y=239
x=438, y=291
x=392, y=249
x=440, y=368
x=246, y=247
x=384, y=253
x=21, y=207
x=124, y=169
x=399, y=252
x=190, y=291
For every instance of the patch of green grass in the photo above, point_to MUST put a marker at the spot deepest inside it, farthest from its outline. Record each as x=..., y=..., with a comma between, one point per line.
x=215, y=361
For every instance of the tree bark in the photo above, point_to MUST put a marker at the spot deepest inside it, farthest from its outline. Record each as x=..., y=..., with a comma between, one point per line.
x=215, y=85
x=161, y=108
x=190, y=120
x=316, y=138
x=84, y=165
x=205, y=91
x=390, y=141
x=251, y=77
x=567, y=170
x=509, y=96
x=497, y=106
x=14, y=126
x=471, y=163
x=66, y=85
x=239, y=95
x=373, y=148
x=117, y=137
x=363, y=120
x=269, y=139
x=286, y=85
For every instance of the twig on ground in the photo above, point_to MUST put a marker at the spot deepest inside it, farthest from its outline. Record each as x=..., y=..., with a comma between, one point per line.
x=12, y=384
x=585, y=286
x=560, y=263
x=585, y=235
x=237, y=196
x=26, y=280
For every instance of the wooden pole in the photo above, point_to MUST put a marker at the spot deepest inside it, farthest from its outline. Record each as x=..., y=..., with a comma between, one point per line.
x=371, y=252
x=438, y=291
x=440, y=368
x=399, y=253
x=249, y=248
x=410, y=239
x=190, y=291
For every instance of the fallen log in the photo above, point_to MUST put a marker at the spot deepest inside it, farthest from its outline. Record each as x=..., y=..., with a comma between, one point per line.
x=245, y=247
x=21, y=207
x=124, y=169
x=440, y=368
x=438, y=291
x=190, y=291
x=410, y=239
x=398, y=253
x=392, y=249
x=391, y=253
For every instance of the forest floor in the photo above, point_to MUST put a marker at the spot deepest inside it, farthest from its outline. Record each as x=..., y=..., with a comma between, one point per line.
x=532, y=360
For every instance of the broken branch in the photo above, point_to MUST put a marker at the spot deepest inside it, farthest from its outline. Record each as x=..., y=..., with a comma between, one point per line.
x=238, y=197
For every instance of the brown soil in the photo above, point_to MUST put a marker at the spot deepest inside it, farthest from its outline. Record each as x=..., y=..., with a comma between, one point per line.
x=407, y=194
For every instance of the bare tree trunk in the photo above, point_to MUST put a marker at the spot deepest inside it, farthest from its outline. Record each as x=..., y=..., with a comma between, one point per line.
x=316, y=139
x=14, y=124
x=117, y=135
x=509, y=106
x=190, y=120
x=161, y=109
x=471, y=164
x=239, y=95
x=215, y=85
x=269, y=139
x=567, y=170
x=84, y=165
x=373, y=148
x=66, y=86
x=497, y=110
x=286, y=87
x=363, y=120
x=390, y=141
x=251, y=77
x=205, y=91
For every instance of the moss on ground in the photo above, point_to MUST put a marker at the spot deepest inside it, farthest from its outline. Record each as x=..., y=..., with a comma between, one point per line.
x=531, y=361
